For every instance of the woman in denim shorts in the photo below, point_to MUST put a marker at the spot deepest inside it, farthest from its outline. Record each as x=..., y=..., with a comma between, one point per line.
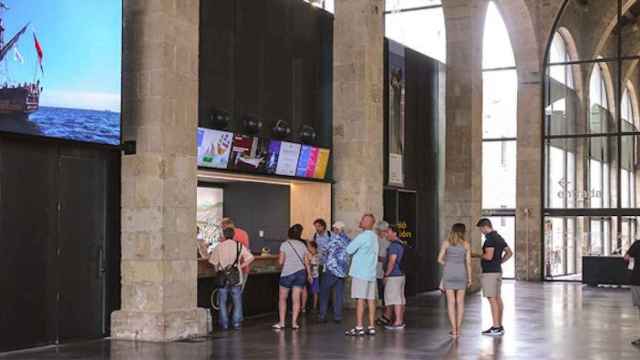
x=294, y=275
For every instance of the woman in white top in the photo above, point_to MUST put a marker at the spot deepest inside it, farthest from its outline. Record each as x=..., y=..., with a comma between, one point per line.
x=294, y=275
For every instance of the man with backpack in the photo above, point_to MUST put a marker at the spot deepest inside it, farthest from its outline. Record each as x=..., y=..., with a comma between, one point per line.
x=230, y=258
x=394, y=281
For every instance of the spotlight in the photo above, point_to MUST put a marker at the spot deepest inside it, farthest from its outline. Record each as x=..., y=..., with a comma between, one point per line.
x=308, y=135
x=218, y=119
x=281, y=130
x=252, y=124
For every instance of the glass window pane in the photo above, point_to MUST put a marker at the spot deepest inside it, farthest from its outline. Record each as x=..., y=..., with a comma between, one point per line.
x=499, y=175
x=500, y=103
x=579, y=99
x=395, y=5
x=421, y=30
x=568, y=239
x=496, y=50
x=581, y=173
x=630, y=174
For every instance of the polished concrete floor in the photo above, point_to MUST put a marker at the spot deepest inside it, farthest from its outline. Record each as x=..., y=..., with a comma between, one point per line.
x=543, y=321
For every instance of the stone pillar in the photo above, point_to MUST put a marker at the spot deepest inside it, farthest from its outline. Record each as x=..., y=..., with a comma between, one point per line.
x=464, y=21
x=160, y=92
x=358, y=110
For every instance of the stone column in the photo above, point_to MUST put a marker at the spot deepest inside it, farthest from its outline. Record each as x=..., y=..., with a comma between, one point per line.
x=160, y=92
x=357, y=111
x=464, y=21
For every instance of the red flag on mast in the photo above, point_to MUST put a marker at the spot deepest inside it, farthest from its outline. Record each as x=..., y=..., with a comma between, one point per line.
x=39, y=51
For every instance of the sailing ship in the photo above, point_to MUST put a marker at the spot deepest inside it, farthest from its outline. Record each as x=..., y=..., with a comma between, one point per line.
x=19, y=99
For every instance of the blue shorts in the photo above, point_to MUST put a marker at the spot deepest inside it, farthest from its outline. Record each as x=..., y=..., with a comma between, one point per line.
x=295, y=280
x=315, y=286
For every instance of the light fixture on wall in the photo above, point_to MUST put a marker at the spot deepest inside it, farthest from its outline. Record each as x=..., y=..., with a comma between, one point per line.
x=281, y=130
x=251, y=124
x=218, y=119
x=308, y=135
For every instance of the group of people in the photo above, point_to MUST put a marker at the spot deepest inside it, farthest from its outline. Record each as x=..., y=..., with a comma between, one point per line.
x=321, y=266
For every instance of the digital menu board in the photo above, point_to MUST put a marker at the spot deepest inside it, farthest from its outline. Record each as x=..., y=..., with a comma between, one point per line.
x=214, y=148
x=287, y=158
x=225, y=150
x=249, y=153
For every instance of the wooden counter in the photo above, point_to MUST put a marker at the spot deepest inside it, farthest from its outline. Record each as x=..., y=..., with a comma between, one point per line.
x=261, y=264
x=260, y=294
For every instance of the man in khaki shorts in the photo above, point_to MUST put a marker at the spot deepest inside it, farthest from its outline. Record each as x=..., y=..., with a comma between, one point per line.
x=495, y=252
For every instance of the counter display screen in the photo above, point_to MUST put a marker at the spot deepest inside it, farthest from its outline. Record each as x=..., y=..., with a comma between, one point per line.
x=312, y=162
x=321, y=164
x=272, y=156
x=214, y=148
x=307, y=161
x=249, y=153
x=287, y=158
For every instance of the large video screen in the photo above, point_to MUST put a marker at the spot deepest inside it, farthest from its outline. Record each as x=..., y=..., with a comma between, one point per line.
x=60, y=69
x=312, y=162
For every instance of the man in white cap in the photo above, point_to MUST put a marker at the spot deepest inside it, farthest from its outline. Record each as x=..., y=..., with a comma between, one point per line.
x=336, y=269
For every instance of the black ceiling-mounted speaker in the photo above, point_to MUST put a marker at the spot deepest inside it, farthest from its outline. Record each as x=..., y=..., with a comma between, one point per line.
x=308, y=135
x=251, y=124
x=281, y=130
x=219, y=119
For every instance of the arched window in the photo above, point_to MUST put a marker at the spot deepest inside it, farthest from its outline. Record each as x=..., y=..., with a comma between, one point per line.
x=499, y=127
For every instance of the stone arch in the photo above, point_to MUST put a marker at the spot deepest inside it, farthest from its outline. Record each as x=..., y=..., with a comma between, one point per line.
x=519, y=23
x=633, y=96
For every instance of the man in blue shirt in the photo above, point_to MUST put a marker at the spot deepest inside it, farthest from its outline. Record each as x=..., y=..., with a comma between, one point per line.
x=394, y=281
x=335, y=271
x=322, y=238
x=364, y=251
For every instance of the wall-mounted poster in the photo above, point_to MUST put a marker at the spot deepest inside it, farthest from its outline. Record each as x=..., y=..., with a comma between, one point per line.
x=249, y=153
x=396, y=119
x=321, y=164
x=288, y=159
x=209, y=213
x=61, y=69
x=214, y=148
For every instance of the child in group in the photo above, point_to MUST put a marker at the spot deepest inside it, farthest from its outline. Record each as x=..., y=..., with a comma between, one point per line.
x=313, y=257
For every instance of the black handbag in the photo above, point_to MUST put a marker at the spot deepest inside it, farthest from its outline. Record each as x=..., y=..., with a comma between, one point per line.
x=229, y=276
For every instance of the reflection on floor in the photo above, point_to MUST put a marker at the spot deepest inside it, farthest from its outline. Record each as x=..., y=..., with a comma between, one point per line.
x=572, y=277
x=542, y=321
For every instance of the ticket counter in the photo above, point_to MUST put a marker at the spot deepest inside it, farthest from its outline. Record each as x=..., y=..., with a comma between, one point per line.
x=264, y=207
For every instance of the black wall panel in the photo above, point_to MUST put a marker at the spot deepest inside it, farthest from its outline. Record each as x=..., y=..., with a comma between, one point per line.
x=255, y=207
x=417, y=202
x=59, y=226
x=269, y=58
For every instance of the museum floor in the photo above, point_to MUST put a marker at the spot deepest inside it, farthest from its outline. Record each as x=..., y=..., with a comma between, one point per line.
x=543, y=321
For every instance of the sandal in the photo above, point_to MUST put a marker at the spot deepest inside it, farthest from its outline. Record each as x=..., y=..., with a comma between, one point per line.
x=295, y=326
x=371, y=331
x=355, y=332
x=277, y=326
